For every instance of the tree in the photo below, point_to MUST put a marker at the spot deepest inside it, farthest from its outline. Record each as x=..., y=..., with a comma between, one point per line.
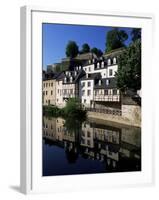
x=129, y=68
x=85, y=48
x=72, y=49
x=115, y=39
x=136, y=34
x=98, y=52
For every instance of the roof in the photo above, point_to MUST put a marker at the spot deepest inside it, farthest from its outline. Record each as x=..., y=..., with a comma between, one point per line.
x=51, y=75
x=112, y=83
x=76, y=75
x=92, y=76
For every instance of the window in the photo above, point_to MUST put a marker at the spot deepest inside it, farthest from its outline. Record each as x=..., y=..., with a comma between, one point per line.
x=84, y=100
x=88, y=143
x=83, y=92
x=58, y=91
x=89, y=69
x=107, y=82
x=114, y=61
x=51, y=84
x=71, y=91
x=88, y=92
x=46, y=84
x=89, y=84
x=83, y=84
x=114, y=92
x=51, y=92
x=100, y=82
x=110, y=72
x=46, y=92
x=105, y=92
x=109, y=61
x=88, y=134
x=98, y=65
x=43, y=93
x=102, y=64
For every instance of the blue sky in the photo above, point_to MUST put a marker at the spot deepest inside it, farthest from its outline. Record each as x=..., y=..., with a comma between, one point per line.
x=56, y=37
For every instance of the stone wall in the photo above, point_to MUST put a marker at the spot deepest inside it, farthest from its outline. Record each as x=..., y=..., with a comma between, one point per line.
x=131, y=115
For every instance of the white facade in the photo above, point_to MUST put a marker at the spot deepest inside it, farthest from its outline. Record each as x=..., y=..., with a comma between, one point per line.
x=106, y=72
x=86, y=92
x=60, y=102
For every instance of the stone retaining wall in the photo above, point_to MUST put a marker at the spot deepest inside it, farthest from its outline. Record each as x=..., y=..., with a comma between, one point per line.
x=131, y=115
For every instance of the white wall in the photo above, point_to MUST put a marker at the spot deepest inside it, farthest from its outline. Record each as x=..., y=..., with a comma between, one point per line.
x=9, y=101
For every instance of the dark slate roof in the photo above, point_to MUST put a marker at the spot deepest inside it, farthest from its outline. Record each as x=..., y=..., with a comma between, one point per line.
x=76, y=75
x=60, y=76
x=51, y=75
x=112, y=83
x=92, y=76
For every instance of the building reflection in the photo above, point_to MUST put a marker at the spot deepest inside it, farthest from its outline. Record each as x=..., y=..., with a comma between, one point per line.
x=119, y=149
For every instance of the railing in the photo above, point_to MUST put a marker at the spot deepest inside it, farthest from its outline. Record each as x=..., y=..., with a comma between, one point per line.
x=111, y=111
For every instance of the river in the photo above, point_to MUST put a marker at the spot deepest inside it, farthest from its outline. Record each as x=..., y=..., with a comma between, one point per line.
x=73, y=147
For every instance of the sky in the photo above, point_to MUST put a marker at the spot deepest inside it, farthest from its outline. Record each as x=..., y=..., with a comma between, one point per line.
x=56, y=37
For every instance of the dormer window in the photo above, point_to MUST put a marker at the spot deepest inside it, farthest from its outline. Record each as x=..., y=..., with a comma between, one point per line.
x=114, y=60
x=98, y=65
x=109, y=61
x=79, y=67
x=71, y=79
x=75, y=73
x=102, y=64
x=89, y=61
x=100, y=82
x=65, y=80
x=107, y=82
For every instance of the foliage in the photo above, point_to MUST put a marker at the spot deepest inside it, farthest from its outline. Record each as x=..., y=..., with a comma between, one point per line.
x=85, y=48
x=98, y=52
x=129, y=68
x=72, y=110
x=136, y=34
x=115, y=39
x=72, y=49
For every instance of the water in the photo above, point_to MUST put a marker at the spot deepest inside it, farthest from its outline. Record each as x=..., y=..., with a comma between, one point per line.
x=73, y=147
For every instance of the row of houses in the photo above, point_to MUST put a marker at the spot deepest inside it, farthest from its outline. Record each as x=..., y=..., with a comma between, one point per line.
x=93, y=82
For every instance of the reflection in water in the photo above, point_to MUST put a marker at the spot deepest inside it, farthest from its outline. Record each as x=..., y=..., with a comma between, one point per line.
x=71, y=147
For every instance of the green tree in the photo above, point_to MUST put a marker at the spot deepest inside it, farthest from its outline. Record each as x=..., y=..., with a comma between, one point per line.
x=115, y=39
x=136, y=34
x=98, y=52
x=85, y=48
x=72, y=49
x=129, y=68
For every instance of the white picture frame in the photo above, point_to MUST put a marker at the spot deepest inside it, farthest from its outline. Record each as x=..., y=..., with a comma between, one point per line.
x=31, y=83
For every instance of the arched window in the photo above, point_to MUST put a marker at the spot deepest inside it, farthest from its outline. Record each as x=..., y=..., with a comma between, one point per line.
x=114, y=60
x=102, y=64
x=98, y=65
x=109, y=61
x=71, y=79
x=65, y=80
